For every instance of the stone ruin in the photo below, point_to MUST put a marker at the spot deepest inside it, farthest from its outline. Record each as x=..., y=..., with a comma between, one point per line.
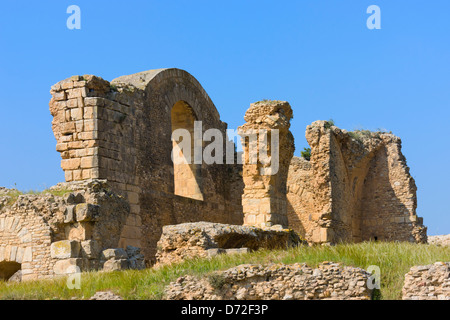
x=329, y=281
x=356, y=187
x=430, y=282
x=115, y=140
x=207, y=239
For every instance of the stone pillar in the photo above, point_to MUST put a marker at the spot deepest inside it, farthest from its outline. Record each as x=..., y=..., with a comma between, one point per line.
x=75, y=113
x=266, y=132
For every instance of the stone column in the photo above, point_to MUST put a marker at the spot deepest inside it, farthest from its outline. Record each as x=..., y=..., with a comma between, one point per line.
x=268, y=149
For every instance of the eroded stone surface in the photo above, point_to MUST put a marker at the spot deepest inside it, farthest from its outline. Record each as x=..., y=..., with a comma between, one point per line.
x=105, y=295
x=266, y=135
x=356, y=187
x=441, y=240
x=430, y=282
x=330, y=281
x=189, y=240
x=48, y=234
x=121, y=131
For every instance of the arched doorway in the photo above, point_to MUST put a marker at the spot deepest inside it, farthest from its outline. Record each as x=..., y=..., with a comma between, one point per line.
x=187, y=173
x=8, y=269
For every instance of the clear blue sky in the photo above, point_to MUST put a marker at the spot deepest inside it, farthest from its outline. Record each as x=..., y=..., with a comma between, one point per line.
x=318, y=55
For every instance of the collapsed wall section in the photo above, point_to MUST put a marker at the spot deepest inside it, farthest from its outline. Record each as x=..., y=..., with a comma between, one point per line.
x=356, y=187
x=430, y=282
x=205, y=239
x=329, y=281
x=52, y=233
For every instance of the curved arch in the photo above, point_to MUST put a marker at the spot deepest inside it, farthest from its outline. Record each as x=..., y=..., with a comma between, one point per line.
x=150, y=80
x=127, y=127
x=187, y=173
x=21, y=239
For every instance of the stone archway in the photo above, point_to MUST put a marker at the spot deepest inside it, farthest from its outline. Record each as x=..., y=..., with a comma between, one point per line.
x=22, y=246
x=121, y=131
x=187, y=173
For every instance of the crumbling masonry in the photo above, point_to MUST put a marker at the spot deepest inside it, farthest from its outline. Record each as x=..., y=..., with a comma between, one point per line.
x=115, y=140
x=356, y=187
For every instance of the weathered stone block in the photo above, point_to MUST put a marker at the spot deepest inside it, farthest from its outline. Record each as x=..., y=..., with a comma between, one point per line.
x=86, y=174
x=237, y=250
x=70, y=164
x=68, y=127
x=74, y=198
x=27, y=255
x=86, y=212
x=60, y=147
x=69, y=214
x=65, y=249
x=79, y=231
x=134, y=251
x=59, y=96
x=76, y=113
x=90, y=249
x=72, y=103
x=89, y=162
x=77, y=175
x=214, y=252
x=93, y=101
x=202, y=239
x=68, y=266
x=136, y=264
x=90, y=112
x=117, y=253
x=116, y=265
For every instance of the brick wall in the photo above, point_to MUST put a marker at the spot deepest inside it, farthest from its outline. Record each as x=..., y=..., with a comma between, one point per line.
x=121, y=131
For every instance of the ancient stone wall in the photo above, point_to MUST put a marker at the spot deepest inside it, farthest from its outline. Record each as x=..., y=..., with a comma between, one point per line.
x=356, y=187
x=431, y=282
x=330, y=281
x=268, y=148
x=27, y=228
x=70, y=225
x=206, y=239
x=302, y=212
x=121, y=131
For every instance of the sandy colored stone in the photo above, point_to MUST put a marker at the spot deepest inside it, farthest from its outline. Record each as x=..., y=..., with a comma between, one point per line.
x=430, y=282
x=330, y=281
x=203, y=239
x=356, y=187
x=65, y=249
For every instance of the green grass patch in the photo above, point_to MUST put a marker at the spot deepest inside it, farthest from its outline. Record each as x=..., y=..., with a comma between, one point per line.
x=393, y=259
x=306, y=154
x=362, y=134
x=14, y=194
x=329, y=124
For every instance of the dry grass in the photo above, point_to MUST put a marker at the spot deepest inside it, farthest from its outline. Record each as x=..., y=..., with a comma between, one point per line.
x=394, y=260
